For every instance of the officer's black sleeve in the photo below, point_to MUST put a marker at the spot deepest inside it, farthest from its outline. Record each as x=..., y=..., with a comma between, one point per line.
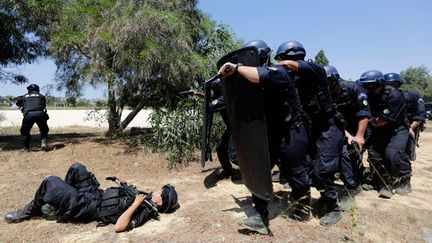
x=361, y=99
x=394, y=107
x=44, y=101
x=138, y=218
x=217, y=104
x=420, y=108
x=20, y=103
x=311, y=71
x=277, y=76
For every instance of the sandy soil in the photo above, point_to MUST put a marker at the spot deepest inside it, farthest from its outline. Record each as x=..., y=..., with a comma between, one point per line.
x=62, y=118
x=206, y=213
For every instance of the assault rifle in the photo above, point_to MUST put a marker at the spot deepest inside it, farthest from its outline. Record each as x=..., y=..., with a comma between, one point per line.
x=357, y=150
x=16, y=98
x=131, y=191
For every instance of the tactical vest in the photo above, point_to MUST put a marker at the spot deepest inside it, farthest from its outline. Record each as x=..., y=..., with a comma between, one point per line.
x=339, y=91
x=292, y=108
x=387, y=90
x=411, y=104
x=284, y=105
x=112, y=203
x=319, y=104
x=34, y=102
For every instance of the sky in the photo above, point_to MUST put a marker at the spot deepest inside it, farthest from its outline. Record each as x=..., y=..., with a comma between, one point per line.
x=356, y=36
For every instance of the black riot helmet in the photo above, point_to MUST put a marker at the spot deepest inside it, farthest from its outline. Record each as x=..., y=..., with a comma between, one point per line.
x=333, y=80
x=331, y=72
x=290, y=50
x=169, y=199
x=263, y=50
x=372, y=79
x=33, y=88
x=393, y=79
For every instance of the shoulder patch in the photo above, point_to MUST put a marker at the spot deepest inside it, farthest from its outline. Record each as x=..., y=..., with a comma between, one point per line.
x=362, y=96
x=420, y=101
x=386, y=111
x=365, y=103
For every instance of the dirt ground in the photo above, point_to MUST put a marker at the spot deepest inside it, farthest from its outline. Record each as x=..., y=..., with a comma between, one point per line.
x=206, y=214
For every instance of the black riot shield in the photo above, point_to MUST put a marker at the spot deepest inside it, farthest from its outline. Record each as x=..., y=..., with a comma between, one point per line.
x=244, y=102
x=206, y=153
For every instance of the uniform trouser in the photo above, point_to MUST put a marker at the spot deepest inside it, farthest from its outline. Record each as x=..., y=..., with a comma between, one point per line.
x=226, y=151
x=350, y=168
x=74, y=203
x=294, y=157
x=328, y=145
x=29, y=119
x=411, y=145
x=387, y=150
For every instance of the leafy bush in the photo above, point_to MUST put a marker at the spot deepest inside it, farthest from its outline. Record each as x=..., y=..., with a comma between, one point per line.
x=177, y=131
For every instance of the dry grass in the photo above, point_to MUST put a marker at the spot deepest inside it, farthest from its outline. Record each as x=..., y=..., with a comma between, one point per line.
x=206, y=214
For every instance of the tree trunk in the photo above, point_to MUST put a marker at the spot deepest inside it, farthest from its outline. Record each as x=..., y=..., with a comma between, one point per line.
x=132, y=115
x=113, y=113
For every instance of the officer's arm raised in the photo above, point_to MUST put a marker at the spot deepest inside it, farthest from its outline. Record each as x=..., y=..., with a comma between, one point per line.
x=250, y=73
x=124, y=219
x=291, y=65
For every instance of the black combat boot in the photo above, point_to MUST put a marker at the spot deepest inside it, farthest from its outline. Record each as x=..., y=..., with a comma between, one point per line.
x=332, y=214
x=28, y=212
x=404, y=186
x=49, y=212
x=25, y=148
x=385, y=187
x=44, y=144
x=257, y=223
x=347, y=199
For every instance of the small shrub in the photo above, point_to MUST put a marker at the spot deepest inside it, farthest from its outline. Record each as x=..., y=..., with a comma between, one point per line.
x=177, y=131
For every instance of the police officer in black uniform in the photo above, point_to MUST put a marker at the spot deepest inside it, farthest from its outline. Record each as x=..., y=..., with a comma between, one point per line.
x=225, y=148
x=416, y=114
x=327, y=125
x=352, y=102
x=33, y=107
x=79, y=199
x=388, y=131
x=288, y=134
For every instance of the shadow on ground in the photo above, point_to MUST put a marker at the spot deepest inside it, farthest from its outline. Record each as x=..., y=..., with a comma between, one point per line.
x=56, y=141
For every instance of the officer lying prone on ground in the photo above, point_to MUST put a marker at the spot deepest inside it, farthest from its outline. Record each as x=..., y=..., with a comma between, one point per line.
x=79, y=199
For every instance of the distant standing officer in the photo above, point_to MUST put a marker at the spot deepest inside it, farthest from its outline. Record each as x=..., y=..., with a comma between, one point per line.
x=388, y=133
x=416, y=114
x=33, y=107
x=327, y=127
x=352, y=102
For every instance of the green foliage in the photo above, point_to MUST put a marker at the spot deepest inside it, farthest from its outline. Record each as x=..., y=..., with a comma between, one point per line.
x=419, y=79
x=177, y=131
x=321, y=58
x=146, y=51
x=17, y=46
x=71, y=101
